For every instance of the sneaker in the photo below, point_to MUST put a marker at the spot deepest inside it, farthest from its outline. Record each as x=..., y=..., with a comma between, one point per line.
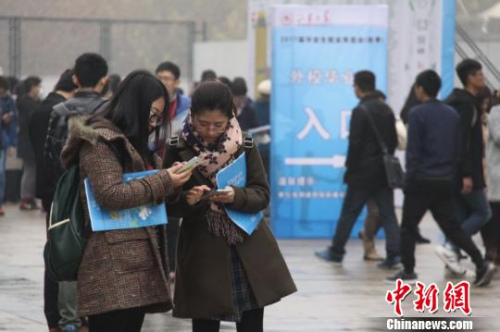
x=485, y=274
x=466, y=274
x=329, y=256
x=2, y=211
x=450, y=259
x=409, y=278
x=390, y=263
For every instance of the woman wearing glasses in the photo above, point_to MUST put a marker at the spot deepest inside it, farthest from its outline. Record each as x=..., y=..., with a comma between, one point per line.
x=123, y=273
x=222, y=273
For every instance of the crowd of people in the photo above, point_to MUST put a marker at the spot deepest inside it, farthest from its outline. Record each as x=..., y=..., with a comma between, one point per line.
x=451, y=156
x=108, y=126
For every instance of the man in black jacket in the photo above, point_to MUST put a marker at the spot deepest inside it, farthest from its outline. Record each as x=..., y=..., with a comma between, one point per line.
x=45, y=184
x=431, y=162
x=90, y=77
x=38, y=126
x=365, y=175
x=26, y=104
x=471, y=203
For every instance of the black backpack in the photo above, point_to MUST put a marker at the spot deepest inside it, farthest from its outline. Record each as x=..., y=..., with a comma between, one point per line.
x=67, y=233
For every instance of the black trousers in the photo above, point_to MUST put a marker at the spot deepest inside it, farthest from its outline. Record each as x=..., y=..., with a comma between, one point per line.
x=436, y=196
x=172, y=234
x=126, y=320
x=251, y=321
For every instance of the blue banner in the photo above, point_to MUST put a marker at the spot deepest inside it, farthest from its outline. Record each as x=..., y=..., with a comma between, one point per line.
x=448, y=48
x=316, y=51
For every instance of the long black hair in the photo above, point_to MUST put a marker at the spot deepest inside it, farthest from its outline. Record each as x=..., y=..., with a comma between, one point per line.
x=410, y=102
x=129, y=108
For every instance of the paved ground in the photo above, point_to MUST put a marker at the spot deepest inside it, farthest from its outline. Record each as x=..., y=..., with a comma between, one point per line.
x=329, y=298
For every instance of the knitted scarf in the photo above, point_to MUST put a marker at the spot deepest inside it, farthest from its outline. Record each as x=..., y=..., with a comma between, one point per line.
x=214, y=157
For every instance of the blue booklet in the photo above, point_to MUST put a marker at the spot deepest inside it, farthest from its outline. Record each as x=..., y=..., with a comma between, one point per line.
x=235, y=175
x=102, y=219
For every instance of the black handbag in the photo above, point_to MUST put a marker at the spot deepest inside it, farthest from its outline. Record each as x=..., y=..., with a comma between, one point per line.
x=392, y=165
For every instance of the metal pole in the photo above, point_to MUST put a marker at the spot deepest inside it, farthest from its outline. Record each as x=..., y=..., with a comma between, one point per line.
x=205, y=31
x=105, y=40
x=15, y=46
x=191, y=26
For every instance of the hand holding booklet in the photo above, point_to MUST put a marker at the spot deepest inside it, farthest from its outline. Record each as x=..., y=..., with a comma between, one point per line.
x=235, y=175
x=102, y=219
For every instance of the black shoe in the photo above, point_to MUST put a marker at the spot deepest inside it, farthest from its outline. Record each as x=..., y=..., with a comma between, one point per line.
x=485, y=274
x=329, y=256
x=422, y=240
x=390, y=263
x=409, y=278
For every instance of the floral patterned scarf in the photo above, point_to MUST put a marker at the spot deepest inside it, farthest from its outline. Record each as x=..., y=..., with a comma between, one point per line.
x=214, y=157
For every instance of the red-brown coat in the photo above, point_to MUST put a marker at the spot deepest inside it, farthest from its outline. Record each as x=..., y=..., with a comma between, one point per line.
x=123, y=268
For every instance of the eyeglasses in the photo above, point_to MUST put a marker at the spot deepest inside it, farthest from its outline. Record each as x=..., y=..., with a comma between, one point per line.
x=216, y=127
x=155, y=117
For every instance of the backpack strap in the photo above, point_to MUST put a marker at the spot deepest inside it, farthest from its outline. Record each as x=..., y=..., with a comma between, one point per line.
x=248, y=142
x=118, y=150
x=173, y=142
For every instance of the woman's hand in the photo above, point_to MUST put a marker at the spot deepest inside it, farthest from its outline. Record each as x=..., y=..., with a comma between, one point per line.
x=194, y=194
x=225, y=197
x=178, y=179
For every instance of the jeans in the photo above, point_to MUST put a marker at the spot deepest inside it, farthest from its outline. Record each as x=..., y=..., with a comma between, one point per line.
x=473, y=210
x=436, y=196
x=3, y=170
x=67, y=304
x=354, y=202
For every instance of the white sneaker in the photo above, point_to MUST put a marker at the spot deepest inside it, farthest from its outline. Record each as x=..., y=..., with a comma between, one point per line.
x=450, y=259
x=467, y=275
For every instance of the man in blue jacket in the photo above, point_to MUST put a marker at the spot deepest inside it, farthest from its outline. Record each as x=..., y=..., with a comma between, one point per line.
x=170, y=75
x=432, y=158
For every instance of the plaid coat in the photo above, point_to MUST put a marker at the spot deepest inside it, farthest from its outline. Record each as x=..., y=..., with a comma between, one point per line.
x=124, y=268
